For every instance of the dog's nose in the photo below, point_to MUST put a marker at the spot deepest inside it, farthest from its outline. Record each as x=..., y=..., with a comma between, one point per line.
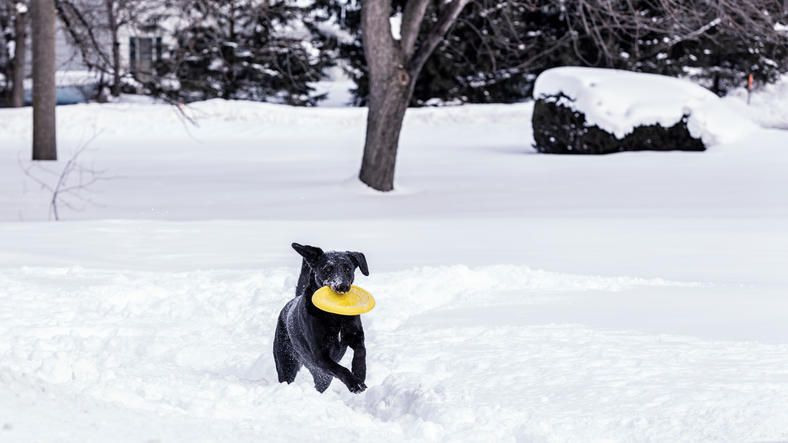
x=343, y=288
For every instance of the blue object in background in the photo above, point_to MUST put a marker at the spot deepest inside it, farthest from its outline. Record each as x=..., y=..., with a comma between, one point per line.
x=67, y=94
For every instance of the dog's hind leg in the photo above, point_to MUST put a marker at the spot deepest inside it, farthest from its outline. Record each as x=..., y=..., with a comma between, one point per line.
x=322, y=380
x=287, y=365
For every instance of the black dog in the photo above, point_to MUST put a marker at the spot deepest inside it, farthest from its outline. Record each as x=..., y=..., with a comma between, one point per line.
x=306, y=335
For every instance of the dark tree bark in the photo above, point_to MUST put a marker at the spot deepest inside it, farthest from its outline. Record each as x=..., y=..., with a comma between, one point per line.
x=390, y=89
x=44, y=92
x=113, y=28
x=17, y=98
x=393, y=67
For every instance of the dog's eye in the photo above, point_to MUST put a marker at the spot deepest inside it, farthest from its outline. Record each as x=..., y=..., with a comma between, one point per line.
x=347, y=268
x=329, y=269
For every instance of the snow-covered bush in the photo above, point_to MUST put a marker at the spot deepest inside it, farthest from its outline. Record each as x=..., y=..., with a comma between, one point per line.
x=599, y=111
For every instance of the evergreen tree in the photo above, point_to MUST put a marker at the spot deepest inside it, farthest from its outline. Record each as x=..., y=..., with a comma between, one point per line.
x=245, y=49
x=722, y=60
x=496, y=49
x=494, y=53
x=13, y=18
x=6, y=36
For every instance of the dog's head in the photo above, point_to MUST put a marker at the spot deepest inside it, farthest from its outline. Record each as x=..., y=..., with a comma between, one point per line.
x=333, y=269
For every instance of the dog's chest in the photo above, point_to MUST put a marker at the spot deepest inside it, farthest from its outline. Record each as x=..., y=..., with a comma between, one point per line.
x=337, y=336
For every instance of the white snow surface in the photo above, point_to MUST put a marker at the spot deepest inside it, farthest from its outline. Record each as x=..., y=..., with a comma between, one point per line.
x=618, y=101
x=520, y=297
x=70, y=78
x=768, y=103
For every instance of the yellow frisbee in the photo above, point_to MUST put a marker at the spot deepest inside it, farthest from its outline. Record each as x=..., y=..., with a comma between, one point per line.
x=354, y=302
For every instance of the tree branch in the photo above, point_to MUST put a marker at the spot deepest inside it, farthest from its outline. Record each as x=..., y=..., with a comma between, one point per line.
x=447, y=18
x=93, y=43
x=412, y=17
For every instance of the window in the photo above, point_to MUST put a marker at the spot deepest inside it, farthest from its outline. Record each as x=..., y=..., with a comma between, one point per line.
x=143, y=51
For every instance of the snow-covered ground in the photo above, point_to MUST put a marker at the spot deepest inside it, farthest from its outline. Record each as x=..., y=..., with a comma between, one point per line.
x=521, y=297
x=768, y=105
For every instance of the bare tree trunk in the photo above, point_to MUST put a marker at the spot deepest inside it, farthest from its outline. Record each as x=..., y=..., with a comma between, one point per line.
x=390, y=90
x=20, y=50
x=386, y=112
x=44, y=91
x=388, y=97
x=393, y=68
x=113, y=27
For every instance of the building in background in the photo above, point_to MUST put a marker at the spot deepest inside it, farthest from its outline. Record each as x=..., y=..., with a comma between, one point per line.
x=78, y=79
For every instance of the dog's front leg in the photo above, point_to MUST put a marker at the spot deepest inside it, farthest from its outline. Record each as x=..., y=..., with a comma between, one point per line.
x=359, y=364
x=353, y=383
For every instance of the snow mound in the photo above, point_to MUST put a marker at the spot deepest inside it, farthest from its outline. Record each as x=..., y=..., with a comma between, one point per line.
x=767, y=103
x=618, y=101
x=191, y=352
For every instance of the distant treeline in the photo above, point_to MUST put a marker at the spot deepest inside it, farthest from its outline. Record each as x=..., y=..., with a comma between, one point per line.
x=274, y=51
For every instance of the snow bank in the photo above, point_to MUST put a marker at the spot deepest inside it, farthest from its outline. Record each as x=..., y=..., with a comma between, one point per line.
x=182, y=347
x=618, y=101
x=768, y=104
x=452, y=354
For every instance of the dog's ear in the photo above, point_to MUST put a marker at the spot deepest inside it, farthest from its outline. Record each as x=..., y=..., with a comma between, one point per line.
x=360, y=261
x=310, y=253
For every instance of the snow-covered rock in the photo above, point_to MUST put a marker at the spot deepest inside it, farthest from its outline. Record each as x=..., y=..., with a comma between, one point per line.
x=597, y=111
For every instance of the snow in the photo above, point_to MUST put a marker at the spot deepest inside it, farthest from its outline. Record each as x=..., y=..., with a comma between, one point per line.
x=396, y=26
x=70, y=78
x=767, y=103
x=337, y=88
x=618, y=101
x=520, y=296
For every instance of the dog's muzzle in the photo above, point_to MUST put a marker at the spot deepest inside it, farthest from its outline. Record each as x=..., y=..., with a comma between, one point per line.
x=342, y=289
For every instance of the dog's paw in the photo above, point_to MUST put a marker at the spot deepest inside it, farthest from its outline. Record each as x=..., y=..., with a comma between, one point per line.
x=356, y=386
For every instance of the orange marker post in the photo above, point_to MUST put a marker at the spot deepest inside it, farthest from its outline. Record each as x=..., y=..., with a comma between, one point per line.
x=749, y=88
